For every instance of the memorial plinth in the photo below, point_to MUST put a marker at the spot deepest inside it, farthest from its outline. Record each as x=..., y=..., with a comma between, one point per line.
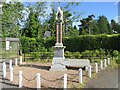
x=58, y=59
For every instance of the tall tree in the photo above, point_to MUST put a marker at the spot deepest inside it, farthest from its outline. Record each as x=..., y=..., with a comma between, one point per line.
x=33, y=26
x=85, y=26
x=104, y=26
x=12, y=15
x=115, y=26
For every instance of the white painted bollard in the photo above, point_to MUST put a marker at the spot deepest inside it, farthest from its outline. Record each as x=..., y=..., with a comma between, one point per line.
x=10, y=64
x=11, y=74
x=4, y=69
x=15, y=61
x=108, y=61
x=80, y=76
x=86, y=68
x=89, y=71
x=101, y=65
x=96, y=67
x=65, y=81
x=20, y=79
x=20, y=59
x=38, y=81
x=105, y=63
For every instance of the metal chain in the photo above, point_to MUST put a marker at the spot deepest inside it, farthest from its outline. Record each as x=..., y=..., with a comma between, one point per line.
x=15, y=73
x=73, y=77
x=29, y=79
x=74, y=74
x=52, y=80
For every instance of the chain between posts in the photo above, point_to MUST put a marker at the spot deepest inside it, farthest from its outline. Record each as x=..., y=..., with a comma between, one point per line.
x=15, y=73
x=29, y=79
x=52, y=80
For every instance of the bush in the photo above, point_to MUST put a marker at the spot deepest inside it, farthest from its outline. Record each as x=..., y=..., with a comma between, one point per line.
x=115, y=53
x=86, y=53
x=85, y=42
x=77, y=55
x=68, y=54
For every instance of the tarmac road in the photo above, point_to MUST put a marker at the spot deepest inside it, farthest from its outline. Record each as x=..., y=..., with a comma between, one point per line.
x=106, y=79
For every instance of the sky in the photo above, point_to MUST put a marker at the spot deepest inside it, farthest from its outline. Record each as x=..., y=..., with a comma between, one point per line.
x=108, y=9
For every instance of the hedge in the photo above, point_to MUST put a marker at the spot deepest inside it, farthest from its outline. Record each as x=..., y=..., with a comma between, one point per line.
x=88, y=42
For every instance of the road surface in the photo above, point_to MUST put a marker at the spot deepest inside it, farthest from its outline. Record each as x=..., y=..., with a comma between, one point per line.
x=106, y=79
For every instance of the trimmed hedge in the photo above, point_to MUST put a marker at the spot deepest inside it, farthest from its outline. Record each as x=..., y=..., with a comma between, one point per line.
x=88, y=42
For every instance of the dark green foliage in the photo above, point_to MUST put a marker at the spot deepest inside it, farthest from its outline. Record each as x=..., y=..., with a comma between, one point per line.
x=91, y=42
x=115, y=53
x=104, y=26
x=11, y=18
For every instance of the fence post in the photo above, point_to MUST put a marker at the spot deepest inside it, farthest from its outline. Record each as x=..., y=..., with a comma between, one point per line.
x=65, y=81
x=101, y=64
x=80, y=75
x=89, y=71
x=105, y=64
x=20, y=79
x=11, y=74
x=108, y=61
x=10, y=64
x=38, y=81
x=4, y=69
x=15, y=61
x=86, y=68
x=20, y=59
x=96, y=67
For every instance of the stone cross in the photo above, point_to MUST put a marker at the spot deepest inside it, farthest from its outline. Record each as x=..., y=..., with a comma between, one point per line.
x=59, y=21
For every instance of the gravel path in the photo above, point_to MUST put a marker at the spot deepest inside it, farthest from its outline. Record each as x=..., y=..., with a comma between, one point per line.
x=105, y=79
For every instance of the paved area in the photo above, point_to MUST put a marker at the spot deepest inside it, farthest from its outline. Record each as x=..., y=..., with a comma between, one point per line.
x=3, y=82
x=106, y=79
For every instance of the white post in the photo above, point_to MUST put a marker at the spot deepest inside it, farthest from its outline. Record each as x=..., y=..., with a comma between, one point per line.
x=105, y=63
x=108, y=61
x=38, y=81
x=65, y=81
x=4, y=70
x=20, y=59
x=80, y=75
x=101, y=65
x=15, y=61
x=86, y=68
x=11, y=74
x=10, y=64
x=89, y=71
x=20, y=79
x=96, y=67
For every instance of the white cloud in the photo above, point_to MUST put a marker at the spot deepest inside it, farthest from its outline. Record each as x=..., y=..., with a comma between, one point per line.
x=117, y=19
x=76, y=24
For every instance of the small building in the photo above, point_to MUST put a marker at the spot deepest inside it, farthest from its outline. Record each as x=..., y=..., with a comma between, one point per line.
x=9, y=48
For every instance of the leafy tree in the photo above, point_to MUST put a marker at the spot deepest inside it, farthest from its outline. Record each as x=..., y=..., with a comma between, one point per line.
x=115, y=26
x=33, y=26
x=103, y=25
x=11, y=19
x=86, y=24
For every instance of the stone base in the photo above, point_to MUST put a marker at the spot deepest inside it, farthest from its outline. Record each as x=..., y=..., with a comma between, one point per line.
x=81, y=63
x=58, y=64
x=59, y=52
x=58, y=67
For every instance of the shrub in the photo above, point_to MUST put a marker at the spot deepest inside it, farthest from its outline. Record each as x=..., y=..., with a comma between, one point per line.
x=77, y=55
x=115, y=53
x=85, y=42
x=68, y=54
